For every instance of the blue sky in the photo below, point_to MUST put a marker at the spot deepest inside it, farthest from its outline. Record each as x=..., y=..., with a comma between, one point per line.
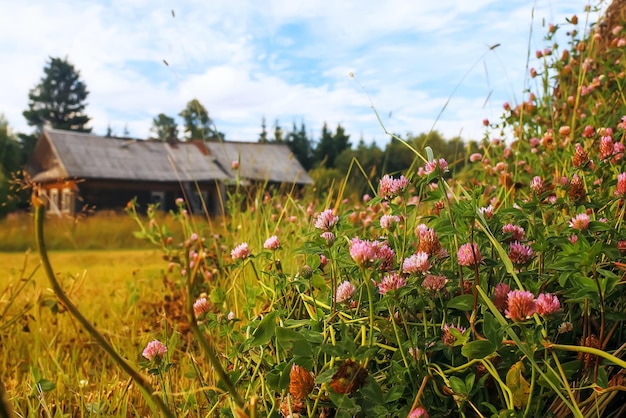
x=282, y=59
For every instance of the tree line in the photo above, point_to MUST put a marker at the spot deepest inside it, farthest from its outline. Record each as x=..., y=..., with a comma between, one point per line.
x=59, y=101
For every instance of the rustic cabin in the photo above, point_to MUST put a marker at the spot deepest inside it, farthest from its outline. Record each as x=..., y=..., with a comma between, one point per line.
x=78, y=169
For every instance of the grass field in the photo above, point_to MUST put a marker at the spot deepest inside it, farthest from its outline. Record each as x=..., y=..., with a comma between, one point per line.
x=114, y=289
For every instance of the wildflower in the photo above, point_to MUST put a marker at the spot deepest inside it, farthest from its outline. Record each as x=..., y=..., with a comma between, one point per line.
x=588, y=132
x=606, y=148
x=536, y=185
x=580, y=222
x=234, y=165
x=573, y=239
x=305, y=271
x=344, y=292
x=154, y=351
x=434, y=283
x=301, y=382
x=547, y=304
x=385, y=255
x=431, y=166
x=448, y=337
x=349, y=377
x=580, y=156
x=388, y=221
x=366, y=198
x=520, y=305
x=487, y=211
x=565, y=327
x=414, y=352
x=618, y=152
x=501, y=296
x=391, y=281
x=389, y=187
x=419, y=412
x=417, y=263
x=576, y=189
x=272, y=243
x=429, y=243
x=475, y=157
x=200, y=307
x=469, y=255
x=517, y=232
x=329, y=237
x=520, y=254
x=621, y=185
x=326, y=220
x=240, y=252
x=363, y=252
x=323, y=261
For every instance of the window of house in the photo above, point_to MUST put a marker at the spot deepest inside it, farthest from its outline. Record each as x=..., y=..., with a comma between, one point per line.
x=54, y=201
x=67, y=201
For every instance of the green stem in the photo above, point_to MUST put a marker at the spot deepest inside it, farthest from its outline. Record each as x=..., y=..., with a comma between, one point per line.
x=137, y=377
x=370, y=298
x=208, y=347
x=588, y=350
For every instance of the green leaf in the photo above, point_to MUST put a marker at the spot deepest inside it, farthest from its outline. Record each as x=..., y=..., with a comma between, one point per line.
x=396, y=392
x=265, y=330
x=491, y=329
x=478, y=349
x=325, y=377
x=342, y=401
x=457, y=385
x=45, y=385
x=462, y=303
x=217, y=295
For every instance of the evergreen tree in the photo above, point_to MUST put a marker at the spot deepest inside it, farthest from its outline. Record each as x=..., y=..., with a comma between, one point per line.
x=299, y=143
x=164, y=127
x=197, y=123
x=263, y=136
x=330, y=146
x=278, y=132
x=10, y=162
x=58, y=99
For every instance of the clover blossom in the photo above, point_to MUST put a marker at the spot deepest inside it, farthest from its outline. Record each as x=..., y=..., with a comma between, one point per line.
x=469, y=255
x=390, y=281
x=416, y=263
x=272, y=243
x=154, y=351
x=344, y=292
x=326, y=220
x=547, y=304
x=520, y=305
x=240, y=252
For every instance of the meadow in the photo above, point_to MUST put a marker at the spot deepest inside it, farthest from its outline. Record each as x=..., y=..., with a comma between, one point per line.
x=496, y=292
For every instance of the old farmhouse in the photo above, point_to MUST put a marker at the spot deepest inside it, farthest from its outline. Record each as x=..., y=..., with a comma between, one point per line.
x=78, y=169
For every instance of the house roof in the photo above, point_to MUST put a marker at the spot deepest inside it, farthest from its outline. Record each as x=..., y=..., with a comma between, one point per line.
x=67, y=154
x=265, y=162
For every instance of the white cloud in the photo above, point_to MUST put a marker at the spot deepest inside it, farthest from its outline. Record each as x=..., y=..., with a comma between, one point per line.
x=280, y=59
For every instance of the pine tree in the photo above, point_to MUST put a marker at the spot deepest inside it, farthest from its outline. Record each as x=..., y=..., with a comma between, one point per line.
x=300, y=145
x=278, y=132
x=263, y=135
x=58, y=99
x=331, y=145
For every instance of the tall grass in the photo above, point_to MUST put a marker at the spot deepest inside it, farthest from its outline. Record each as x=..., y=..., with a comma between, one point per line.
x=497, y=292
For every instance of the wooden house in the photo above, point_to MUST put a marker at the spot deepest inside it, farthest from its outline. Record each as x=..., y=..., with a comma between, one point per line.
x=77, y=169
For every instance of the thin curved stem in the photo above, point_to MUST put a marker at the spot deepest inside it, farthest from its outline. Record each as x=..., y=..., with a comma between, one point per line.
x=137, y=377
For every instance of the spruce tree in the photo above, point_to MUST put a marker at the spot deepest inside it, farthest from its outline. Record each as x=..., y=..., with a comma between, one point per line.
x=58, y=99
